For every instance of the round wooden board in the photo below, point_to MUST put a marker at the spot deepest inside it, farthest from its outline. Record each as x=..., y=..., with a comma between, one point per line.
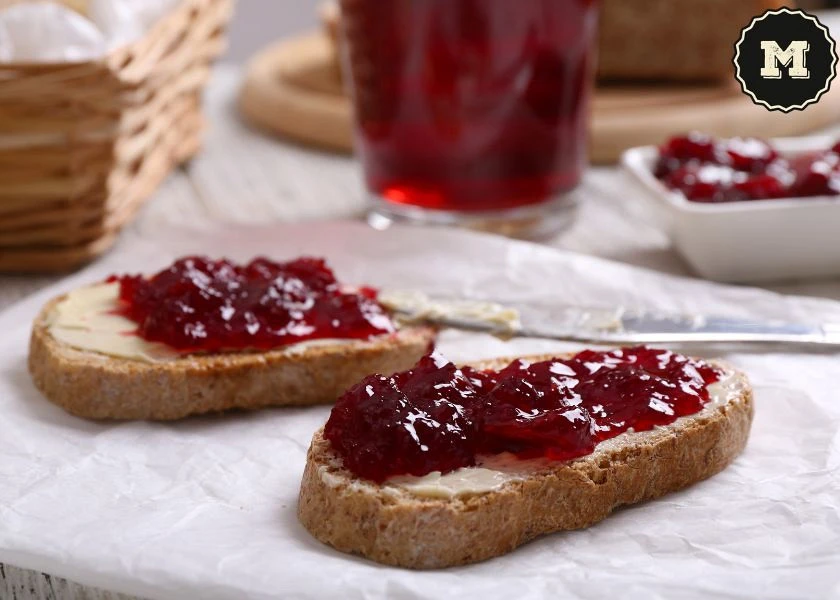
x=293, y=88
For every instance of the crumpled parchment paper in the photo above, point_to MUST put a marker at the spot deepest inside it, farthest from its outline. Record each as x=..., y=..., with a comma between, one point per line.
x=205, y=508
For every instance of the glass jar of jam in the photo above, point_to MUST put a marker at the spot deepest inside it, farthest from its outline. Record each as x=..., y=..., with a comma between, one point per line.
x=471, y=111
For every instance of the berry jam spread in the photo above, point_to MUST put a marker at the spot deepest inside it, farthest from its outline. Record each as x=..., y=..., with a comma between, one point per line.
x=437, y=417
x=203, y=305
x=708, y=170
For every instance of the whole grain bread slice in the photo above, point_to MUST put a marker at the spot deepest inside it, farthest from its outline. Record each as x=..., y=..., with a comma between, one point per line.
x=96, y=386
x=393, y=526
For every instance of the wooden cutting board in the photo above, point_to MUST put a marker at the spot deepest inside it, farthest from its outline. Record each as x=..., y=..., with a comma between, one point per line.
x=293, y=89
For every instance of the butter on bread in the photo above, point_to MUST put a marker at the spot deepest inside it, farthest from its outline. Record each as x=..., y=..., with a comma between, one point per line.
x=98, y=386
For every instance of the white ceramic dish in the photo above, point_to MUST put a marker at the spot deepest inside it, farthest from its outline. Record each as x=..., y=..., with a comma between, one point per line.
x=751, y=241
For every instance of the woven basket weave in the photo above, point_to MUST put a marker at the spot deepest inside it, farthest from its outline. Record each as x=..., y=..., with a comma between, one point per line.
x=82, y=145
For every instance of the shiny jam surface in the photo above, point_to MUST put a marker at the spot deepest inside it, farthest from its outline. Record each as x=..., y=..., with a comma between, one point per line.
x=204, y=305
x=706, y=169
x=437, y=417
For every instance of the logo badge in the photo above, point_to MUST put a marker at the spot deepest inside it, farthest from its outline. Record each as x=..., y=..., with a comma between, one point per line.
x=785, y=60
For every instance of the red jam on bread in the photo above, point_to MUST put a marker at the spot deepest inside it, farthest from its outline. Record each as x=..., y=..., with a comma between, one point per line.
x=438, y=417
x=706, y=169
x=203, y=305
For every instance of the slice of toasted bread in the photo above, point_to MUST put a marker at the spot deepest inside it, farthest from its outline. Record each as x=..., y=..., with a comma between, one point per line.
x=96, y=386
x=392, y=525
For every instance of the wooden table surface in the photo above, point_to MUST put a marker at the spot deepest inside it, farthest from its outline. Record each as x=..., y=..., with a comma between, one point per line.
x=244, y=177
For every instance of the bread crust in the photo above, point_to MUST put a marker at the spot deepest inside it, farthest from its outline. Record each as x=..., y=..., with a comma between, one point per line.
x=397, y=528
x=96, y=386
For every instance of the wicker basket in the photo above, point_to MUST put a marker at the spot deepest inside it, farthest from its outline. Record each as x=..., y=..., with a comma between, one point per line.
x=673, y=39
x=82, y=145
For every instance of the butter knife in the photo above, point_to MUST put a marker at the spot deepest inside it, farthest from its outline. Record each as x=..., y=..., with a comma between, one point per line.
x=618, y=326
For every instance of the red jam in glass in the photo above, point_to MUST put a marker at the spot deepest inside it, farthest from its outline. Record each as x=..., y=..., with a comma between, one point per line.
x=708, y=170
x=204, y=305
x=471, y=105
x=437, y=417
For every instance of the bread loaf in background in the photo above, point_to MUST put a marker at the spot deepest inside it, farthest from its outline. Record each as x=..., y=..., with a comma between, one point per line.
x=673, y=39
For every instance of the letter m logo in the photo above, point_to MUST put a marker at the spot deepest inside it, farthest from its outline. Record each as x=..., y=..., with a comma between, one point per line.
x=775, y=56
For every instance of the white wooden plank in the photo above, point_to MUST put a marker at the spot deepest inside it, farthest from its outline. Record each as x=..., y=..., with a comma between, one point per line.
x=22, y=584
x=16, y=287
x=247, y=177
x=176, y=202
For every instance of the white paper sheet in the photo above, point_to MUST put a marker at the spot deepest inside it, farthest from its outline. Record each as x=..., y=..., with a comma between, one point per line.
x=205, y=508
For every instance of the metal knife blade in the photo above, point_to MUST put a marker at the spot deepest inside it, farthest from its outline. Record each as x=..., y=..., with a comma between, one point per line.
x=604, y=325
